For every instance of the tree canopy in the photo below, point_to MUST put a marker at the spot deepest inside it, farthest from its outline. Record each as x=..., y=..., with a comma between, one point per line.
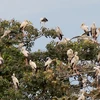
x=58, y=81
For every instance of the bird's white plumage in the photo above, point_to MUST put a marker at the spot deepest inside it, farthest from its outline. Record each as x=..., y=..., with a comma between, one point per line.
x=25, y=52
x=32, y=64
x=84, y=27
x=75, y=59
x=24, y=24
x=70, y=53
x=6, y=32
x=48, y=62
x=15, y=81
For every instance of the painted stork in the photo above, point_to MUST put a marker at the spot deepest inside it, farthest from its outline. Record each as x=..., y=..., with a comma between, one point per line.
x=43, y=20
x=70, y=54
x=82, y=96
x=85, y=28
x=26, y=54
x=97, y=69
x=1, y=60
x=33, y=65
x=59, y=33
x=48, y=62
x=64, y=41
x=74, y=60
x=24, y=24
x=15, y=81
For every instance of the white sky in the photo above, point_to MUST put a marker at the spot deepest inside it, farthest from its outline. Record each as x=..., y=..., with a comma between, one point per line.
x=67, y=14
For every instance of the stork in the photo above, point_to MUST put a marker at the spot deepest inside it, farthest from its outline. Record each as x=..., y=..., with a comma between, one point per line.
x=70, y=54
x=93, y=31
x=97, y=69
x=26, y=54
x=85, y=28
x=15, y=81
x=33, y=65
x=74, y=61
x=43, y=20
x=48, y=62
x=59, y=33
x=82, y=96
x=64, y=41
x=1, y=60
x=24, y=24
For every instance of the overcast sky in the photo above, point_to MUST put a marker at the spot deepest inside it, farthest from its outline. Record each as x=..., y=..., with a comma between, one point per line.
x=67, y=14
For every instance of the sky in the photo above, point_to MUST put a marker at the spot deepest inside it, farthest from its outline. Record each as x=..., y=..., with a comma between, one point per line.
x=67, y=14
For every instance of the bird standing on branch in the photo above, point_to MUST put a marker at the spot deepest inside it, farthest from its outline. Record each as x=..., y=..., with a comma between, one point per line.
x=26, y=54
x=24, y=24
x=59, y=33
x=33, y=65
x=15, y=81
x=85, y=28
x=43, y=20
x=48, y=62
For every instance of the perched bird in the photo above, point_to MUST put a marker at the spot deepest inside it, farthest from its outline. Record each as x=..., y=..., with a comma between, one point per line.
x=1, y=60
x=64, y=41
x=48, y=62
x=82, y=96
x=98, y=57
x=93, y=31
x=43, y=20
x=74, y=60
x=97, y=69
x=26, y=54
x=33, y=65
x=97, y=33
x=24, y=24
x=85, y=28
x=20, y=45
x=59, y=33
x=15, y=81
x=70, y=54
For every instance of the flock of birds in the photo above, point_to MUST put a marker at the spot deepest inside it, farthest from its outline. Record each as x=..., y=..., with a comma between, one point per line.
x=73, y=57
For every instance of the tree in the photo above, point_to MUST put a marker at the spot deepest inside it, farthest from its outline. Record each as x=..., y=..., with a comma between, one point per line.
x=44, y=84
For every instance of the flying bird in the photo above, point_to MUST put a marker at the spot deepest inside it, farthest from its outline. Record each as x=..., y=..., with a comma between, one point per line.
x=24, y=24
x=15, y=81
x=85, y=28
x=33, y=65
x=59, y=33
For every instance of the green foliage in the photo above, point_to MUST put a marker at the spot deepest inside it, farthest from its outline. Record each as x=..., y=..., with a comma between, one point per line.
x=51, y=84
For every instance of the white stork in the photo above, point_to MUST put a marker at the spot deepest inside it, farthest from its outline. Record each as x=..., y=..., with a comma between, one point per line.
x=43, y=20
x=24, y=24
x=82, y=96
x=33, y=65
x=74, y=60
x=48, y=62
x=15, y=81
x=59, y=33
x=85, y=28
